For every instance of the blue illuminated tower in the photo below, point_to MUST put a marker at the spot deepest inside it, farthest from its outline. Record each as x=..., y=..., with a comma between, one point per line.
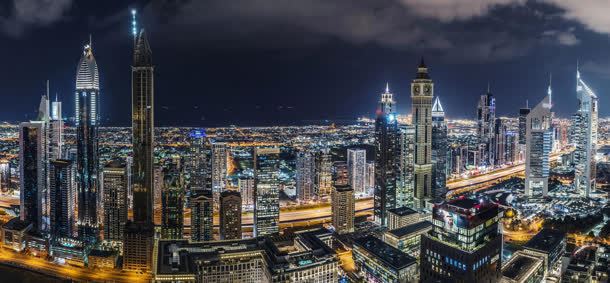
x=386, y=157
x=87, y=119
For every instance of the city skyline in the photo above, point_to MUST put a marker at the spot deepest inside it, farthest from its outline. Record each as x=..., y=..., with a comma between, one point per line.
x=359, y=69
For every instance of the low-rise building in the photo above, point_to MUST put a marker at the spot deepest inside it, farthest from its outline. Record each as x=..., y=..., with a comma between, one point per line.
x=401, y=217
x=14, y=234
x=524, y=268
x=407, y=238
x=380, y=262
x=550, y=244
x=102, y=259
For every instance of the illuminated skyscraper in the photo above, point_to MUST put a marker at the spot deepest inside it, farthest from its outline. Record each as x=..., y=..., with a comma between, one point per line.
x=200, y=162
x=114, y=184
x=139, y=233
x=405, y=187
x=386, y=157
x=305, y=176
x=523, y=130
x=324, y=175
x=230, y=215
x=422, y=92
x=343, y=206
x=538, y=147
x=202, y=213
x=219, y=166
x=32, y=172
x=356, y=163
x=439, y=152
x=246, y=188
x=585, y=137
x=266, y=191
x=87, y=166
x=56, y=130
x=172, y=204
x=62, y=217
x=486, y=118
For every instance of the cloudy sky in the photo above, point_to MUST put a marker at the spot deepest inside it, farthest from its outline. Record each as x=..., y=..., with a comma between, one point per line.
x=259, y=62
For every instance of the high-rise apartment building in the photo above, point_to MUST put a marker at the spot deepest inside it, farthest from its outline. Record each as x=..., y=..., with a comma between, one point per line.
x=538, y=147
x=87, y=104
x=230, y=215
x=440, y=146
x=343, y=206
x=465, y=243
x=62, y=217
x=200, y=161
x=305, y=176
x=56, y=131
x=369, y=183
x=172, y=204
x=114, y=188
x=324, y=177
x=266, y=191
x=585, y=138
x=219, y=166
x=486, y=119
x=32, y=172
x=356, y=163
x=386, y=156
x=406, y=166
x=246, y=189
x=422, y=92
x=202, y=216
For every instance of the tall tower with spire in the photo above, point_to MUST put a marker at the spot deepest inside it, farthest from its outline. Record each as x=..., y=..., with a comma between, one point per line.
x=386, y=156
x=139, y=233
x=585, y=137
x=539, y=136
x=486, y=119
x=422, y=92
x=87, y=119
x=439, y=152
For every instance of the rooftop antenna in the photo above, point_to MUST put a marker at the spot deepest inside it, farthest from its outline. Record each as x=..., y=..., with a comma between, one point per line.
x=134, y=26
x=527, y=103
x=488, y=87
x=387, y=87
x=549, y=91
x=48, y=96
x=577, y=69
x=90, y=42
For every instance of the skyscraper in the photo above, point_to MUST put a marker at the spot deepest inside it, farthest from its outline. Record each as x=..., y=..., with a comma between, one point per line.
x=62, y=218
x=56, y=130
x=440, y=146
x=538, y=146
x=172, y=203
x=202, y=213
x=230, y=215
x=139, y=233
x=114, y=188
x=200, y=162
x=405, y=187
x=343, y=206
x=386, y=157
x=305, y=176
x=486, y=118
x=266, y=191
x=32, y=172
x=324, y=173
x=246, y=188
x=87, y=119
x=356, y=163
x=422, y=92
x=523, y=130
x=464, y=245
x=219, y=166
x=585, y=137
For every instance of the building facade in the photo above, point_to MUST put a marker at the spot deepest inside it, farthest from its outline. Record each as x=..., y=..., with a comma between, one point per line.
x=422, y=93
x=305, y=176
x=32, y=172
x=440, y=146
x=585, y=137
x=386, y=157
x=230, y=215
x=356, y=163
x=114, y=188
x=266, y=191
x=62, y=218
x=538, y=147
x=202, y=213
x=343, y=208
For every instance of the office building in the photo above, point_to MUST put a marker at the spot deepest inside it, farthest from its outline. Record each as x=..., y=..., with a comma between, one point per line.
x=5, y=176
x=219, y=166
x=305, y=176
x=422, y=92
x=266, y=191
x=253, y=260
x=87, y=116
x=386, y=157
x=486, y=119
x=538, y=147
x=114, y=188
x=340, y=173
x=549, y=244
x=406, y=166
x=138, y=246
x=465, y=244
x=172, y=204
x=32, y=172
x=523, y=112
x=369, y=183
x=440, y=145
x=246, y=189
x=356, y=164
x=324, y=174
x=56, y=130
x=202, y=213
x=200, y=161
x=402, y=216
x=62, y=218
x=408, y=238
x=585, y=138
x=523, y=268
x=343, y=207
x=230, y=215
x=380, y=262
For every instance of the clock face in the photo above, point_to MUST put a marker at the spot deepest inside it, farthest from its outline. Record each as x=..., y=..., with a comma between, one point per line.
x=416, y=89
x=427, y=89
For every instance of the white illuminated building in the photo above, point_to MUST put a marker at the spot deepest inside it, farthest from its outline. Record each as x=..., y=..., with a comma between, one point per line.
x=585, y=138
x=539, y=136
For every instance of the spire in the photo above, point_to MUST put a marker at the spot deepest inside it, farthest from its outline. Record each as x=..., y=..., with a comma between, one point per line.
x=437, y=108
x=422, y=70
x=90, y=41
x=577, y=69
x=421, y=63
x=48, y=89
x=527, y=103
x=549, y=91
x=387, y=87
x=134, y=26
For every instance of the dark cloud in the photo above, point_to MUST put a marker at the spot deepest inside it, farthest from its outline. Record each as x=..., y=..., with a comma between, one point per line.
x=23, y=14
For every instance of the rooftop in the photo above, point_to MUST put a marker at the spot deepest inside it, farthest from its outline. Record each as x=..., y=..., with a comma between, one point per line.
x=546, y=240
x=16, y=224
x=402, y=211
x=411, y=229
x=519, y=266
x=386, y=253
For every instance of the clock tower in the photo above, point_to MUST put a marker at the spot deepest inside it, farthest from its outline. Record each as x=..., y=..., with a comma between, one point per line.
x=422, y=93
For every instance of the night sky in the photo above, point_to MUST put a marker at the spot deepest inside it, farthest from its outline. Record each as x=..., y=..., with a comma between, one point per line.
x=265, y=62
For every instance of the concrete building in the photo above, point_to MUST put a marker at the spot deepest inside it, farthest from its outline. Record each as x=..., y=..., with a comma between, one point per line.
x=422, y=93
x=230, y=215
x=380, y=262
x=114, y=187
x=356, y=164
x=401, y=217
x=343, y=209
x=538, y=147
x=267, y=191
